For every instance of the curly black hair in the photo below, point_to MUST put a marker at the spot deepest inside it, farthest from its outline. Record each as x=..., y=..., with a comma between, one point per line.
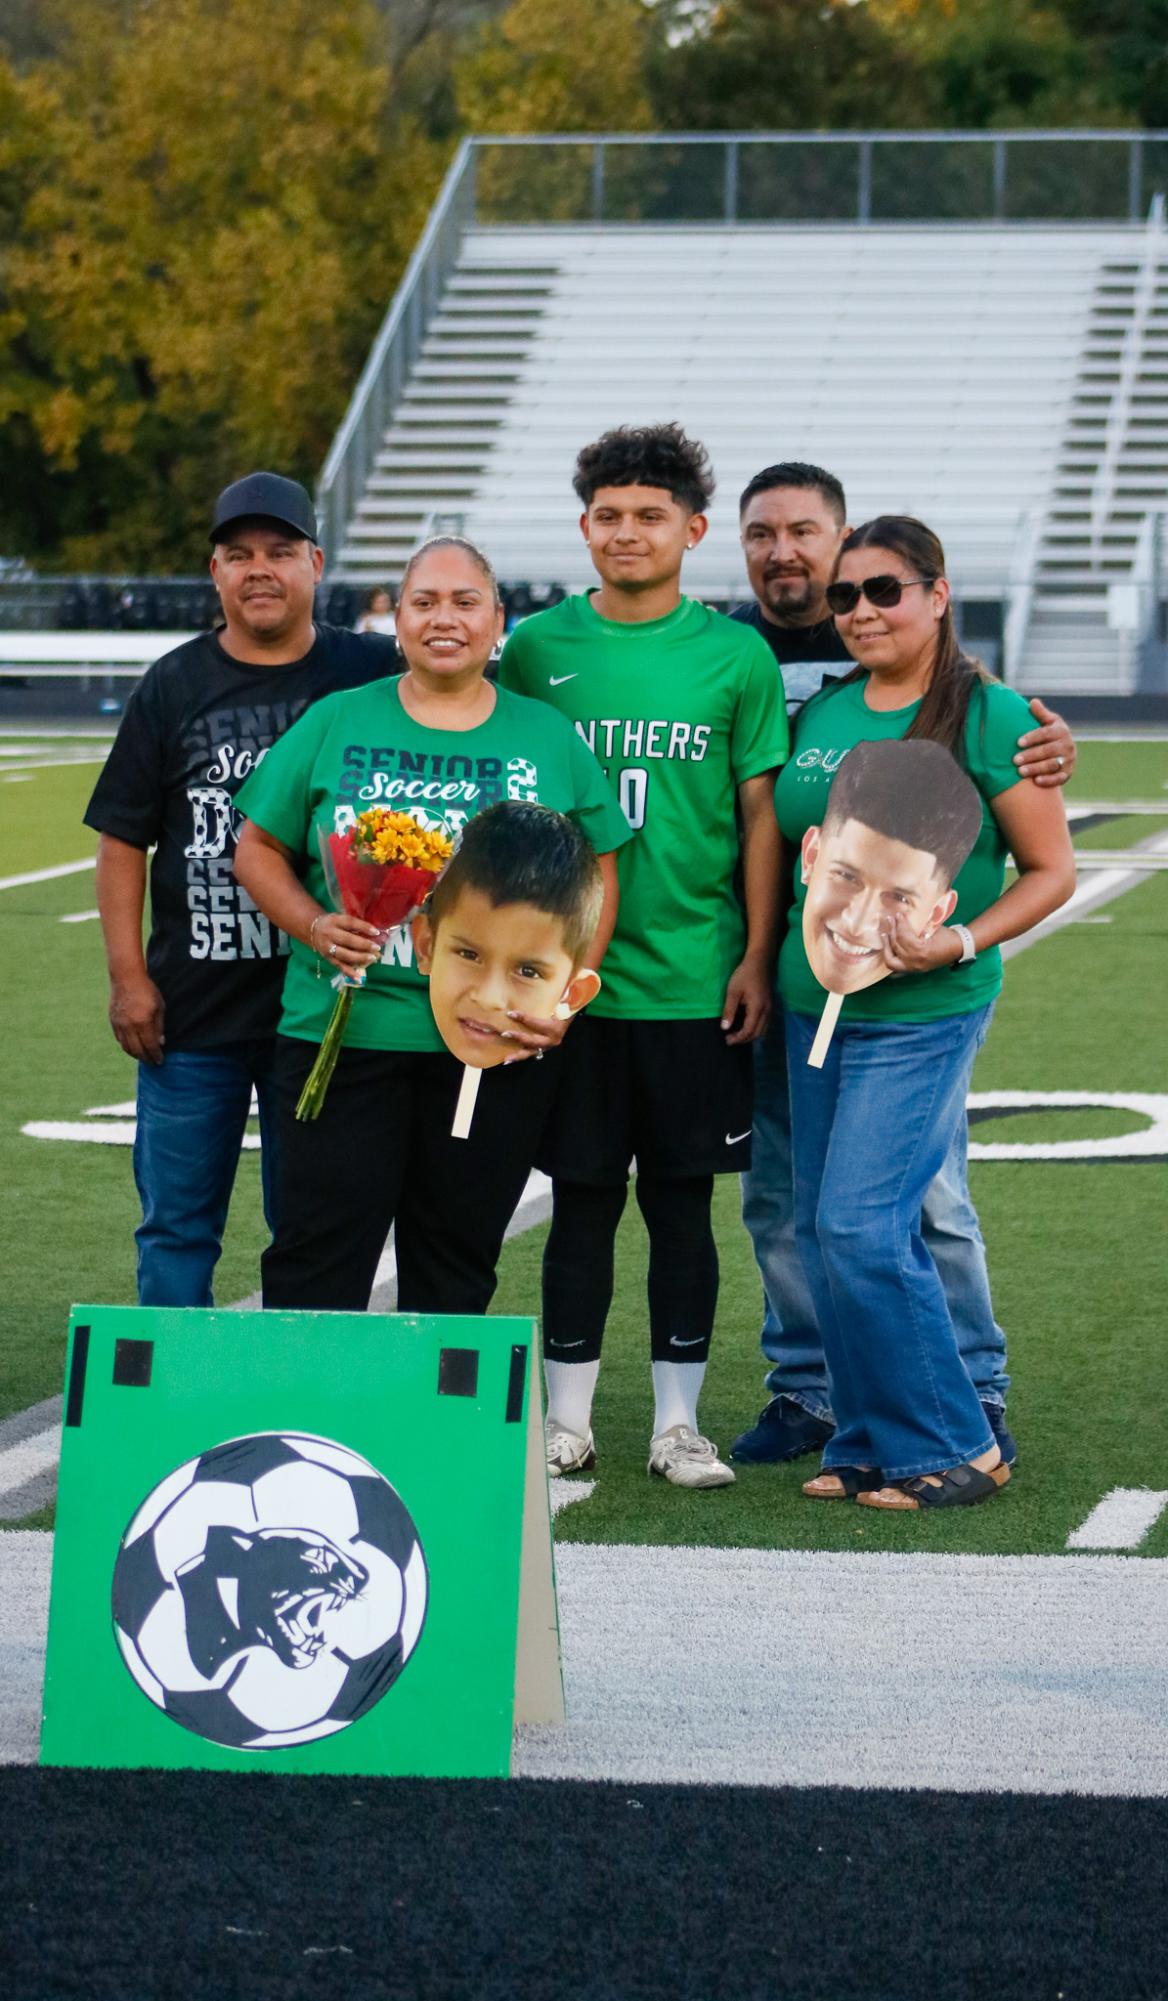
x=647, y=455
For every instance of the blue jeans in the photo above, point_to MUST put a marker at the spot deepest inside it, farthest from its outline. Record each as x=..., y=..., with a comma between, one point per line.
x=192, y=1115
x=869, y=1132
x=949, y=1226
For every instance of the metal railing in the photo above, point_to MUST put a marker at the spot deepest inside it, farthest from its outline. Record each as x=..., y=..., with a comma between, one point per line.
x=394, y=351
x=856, y=178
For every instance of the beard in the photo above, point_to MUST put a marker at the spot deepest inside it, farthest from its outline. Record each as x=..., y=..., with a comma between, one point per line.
x=789, y=593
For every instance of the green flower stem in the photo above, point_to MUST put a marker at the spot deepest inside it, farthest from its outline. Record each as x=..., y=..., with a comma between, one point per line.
x=312, y=1096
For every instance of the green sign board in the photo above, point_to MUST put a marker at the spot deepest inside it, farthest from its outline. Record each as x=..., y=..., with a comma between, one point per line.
x=306, y=1542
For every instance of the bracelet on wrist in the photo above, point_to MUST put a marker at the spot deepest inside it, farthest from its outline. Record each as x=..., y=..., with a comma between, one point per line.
x=968, y=947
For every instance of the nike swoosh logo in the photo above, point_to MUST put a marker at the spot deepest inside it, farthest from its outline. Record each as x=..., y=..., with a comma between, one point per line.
x=557, y=680
x=696, y=1342
x=733, y=1139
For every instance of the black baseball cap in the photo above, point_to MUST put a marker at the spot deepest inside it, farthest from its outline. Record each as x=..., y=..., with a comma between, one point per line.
x=269, y=496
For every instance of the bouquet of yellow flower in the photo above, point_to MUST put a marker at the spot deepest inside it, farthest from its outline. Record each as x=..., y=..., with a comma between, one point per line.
x=382, y=869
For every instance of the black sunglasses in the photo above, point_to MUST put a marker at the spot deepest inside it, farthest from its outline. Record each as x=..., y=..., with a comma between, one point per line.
x=881, y=591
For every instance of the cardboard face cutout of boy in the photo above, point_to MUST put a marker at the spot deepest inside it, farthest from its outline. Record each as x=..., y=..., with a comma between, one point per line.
x=503, y=935
x=901, y=820
x=486, y=961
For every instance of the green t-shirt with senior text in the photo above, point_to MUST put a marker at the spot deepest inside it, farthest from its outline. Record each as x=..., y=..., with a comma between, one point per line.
x=361, y=749
x=831, y=725
x=680, y=711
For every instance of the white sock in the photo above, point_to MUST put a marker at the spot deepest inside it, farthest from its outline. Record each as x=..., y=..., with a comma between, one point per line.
x=676, y=1389
x=570, y=1387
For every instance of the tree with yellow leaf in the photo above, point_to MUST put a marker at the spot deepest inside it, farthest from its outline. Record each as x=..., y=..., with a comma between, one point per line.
x=197, y=266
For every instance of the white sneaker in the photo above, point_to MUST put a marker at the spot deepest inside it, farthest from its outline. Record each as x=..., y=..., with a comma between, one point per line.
x=567, y=1452
x=688, y=1459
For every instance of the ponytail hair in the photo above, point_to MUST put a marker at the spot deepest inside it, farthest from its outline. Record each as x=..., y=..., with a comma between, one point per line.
x=957, y=676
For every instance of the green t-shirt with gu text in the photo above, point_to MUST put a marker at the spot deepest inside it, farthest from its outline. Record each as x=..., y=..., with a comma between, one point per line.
x=680, y=711
x=361, y=749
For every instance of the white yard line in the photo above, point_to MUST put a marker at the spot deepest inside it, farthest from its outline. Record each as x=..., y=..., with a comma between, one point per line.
x=800, y=1667
x=1120, y=1520
x=79, y=917
x=792, y=1667
x=47, y=874
x=21, y=1463
x=1103, y=888
x=1082, y=809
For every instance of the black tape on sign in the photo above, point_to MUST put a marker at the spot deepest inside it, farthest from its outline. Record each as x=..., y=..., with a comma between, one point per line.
x=515, y=1382
x=77, y=1367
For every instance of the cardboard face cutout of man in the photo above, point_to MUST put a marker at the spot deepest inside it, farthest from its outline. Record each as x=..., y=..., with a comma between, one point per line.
x=901, y=820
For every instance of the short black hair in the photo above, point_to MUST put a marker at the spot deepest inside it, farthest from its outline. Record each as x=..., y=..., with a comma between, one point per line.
x=647, y=455
x=520, y=853
x=913, y=790
x=792, y=472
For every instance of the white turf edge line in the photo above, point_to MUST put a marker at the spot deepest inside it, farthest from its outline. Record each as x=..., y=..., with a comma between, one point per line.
x=1120, y=1520
x=841, y=1670
x=46, y=874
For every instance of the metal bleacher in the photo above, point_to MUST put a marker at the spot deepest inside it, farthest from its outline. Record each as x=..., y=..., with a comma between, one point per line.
x=1005, y=377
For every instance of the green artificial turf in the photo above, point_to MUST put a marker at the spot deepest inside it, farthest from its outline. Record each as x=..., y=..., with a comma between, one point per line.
x=1076, y=1255
x=1076, y=1250
x=1123, y=832
x=1136, y=770
x=1043, y=1128
x=41, y=825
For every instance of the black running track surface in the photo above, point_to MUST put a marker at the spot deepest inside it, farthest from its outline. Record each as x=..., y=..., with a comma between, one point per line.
x=148, y=1886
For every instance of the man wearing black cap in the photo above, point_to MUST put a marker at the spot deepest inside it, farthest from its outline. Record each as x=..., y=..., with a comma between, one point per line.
x=198, y=1009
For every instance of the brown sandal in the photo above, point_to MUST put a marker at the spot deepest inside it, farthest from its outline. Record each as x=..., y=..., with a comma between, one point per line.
x=854, y=1481
x=960, y=1487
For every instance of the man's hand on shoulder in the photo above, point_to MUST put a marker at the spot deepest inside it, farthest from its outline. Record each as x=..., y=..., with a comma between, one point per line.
x=137, y=1012
x=1046, y=755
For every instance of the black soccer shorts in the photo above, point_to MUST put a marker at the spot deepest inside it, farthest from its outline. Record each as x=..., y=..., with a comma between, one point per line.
x=670, y=1094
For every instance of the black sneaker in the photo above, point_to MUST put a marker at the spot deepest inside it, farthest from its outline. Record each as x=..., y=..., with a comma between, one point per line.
x=1004, y=1438
x=784, y=1431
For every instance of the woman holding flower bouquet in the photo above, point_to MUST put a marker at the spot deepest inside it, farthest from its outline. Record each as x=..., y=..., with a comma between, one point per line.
x=437, y=743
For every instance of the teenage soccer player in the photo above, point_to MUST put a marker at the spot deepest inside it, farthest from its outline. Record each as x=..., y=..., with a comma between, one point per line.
x=684, y=710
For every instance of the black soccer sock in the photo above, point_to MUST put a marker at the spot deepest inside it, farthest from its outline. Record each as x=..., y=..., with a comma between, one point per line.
x=683, y=1266
x=577, y=1269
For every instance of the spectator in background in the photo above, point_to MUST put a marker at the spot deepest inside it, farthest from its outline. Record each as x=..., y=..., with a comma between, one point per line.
x=792, y=520
x=198, y=1009
x=377, y=613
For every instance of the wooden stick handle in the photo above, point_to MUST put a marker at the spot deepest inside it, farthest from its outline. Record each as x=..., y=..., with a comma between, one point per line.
x=468, y=1091
x=823, y=1033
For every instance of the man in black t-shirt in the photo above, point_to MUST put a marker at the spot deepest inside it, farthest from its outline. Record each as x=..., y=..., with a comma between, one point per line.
x=198, y=1010
x=792, y=519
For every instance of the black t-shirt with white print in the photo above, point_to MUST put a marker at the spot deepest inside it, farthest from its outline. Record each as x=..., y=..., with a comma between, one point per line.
x=809, y=655
x=197, y=723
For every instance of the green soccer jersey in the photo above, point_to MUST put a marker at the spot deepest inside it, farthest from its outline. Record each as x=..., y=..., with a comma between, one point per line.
x=826, y=730
x=679, y=711
x=361, y=749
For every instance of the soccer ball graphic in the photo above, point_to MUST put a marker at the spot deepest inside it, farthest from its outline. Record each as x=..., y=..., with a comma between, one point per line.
x=269, y=1591
x=522, y=779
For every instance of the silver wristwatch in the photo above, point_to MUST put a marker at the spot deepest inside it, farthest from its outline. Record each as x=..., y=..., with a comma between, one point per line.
x=968, y=948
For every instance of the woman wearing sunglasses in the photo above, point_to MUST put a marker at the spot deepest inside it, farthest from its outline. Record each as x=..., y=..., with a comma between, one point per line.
x=873, y=1125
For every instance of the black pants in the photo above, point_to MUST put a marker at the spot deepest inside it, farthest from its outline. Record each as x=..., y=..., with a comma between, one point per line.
x=683, y=1268
x=381, y=1154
